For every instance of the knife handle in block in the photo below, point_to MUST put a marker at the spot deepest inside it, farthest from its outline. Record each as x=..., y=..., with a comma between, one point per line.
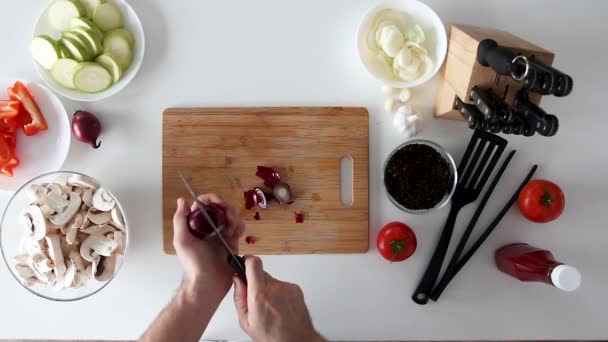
x=489, y=53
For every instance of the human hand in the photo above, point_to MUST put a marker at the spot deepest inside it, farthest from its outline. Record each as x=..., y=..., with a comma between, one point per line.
x=204, y=261
x=271, y=310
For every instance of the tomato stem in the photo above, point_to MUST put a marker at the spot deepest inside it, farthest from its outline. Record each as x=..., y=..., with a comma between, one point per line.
x=397, y=246
x=547, y=198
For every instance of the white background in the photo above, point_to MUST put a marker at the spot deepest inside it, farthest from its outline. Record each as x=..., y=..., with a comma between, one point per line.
x=280, y=53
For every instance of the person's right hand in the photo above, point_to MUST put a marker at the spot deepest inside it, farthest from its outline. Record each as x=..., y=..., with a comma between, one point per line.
x=271, y=310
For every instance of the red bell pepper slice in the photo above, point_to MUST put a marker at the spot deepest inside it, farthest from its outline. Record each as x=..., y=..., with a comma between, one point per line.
x=7, y=169
x=10, y=139
x=9, y=109
x=20, y=92
x=6, y=152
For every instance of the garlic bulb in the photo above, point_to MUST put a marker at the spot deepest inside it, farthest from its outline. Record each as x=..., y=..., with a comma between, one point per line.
x=405, y=121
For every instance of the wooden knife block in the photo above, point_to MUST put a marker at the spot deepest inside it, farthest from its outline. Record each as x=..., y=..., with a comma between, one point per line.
x=461, y=71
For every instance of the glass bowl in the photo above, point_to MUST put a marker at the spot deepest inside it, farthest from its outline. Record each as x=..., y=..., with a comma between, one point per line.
x=12, y=231
x=448, y=158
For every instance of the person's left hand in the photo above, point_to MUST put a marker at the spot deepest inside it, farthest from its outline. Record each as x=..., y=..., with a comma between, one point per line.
x=204, y=261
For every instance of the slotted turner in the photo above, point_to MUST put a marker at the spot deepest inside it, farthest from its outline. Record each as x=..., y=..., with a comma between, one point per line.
x=480, y=158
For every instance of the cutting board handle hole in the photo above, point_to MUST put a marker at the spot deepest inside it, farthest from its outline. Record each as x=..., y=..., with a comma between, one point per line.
x=346, y=180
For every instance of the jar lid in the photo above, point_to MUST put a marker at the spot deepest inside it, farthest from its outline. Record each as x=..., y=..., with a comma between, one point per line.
x=566, y=278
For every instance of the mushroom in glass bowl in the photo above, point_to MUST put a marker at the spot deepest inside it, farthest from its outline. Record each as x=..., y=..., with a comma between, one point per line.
x=64, y=236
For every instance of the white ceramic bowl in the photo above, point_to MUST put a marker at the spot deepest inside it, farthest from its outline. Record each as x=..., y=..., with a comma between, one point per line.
x=418, y=13
x=11, y=232
x=131, y=23
x=46, y=151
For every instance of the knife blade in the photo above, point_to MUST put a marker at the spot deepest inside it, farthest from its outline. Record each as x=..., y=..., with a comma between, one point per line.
x=237, y=262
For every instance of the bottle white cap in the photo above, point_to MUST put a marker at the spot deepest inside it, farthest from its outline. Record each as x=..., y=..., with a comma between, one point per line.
x=566, y=278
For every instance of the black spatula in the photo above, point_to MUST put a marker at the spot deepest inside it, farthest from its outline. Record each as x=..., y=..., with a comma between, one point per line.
x=477, y=164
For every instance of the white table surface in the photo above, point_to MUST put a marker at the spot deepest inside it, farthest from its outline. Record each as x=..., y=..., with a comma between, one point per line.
x=280, y=53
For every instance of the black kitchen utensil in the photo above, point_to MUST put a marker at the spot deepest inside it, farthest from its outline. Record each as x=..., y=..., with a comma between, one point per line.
x=471, y=115
x=480, y=158
x=536, y=118
x=500, y=59
x=447, y=278
x=535, y=75
x=485, y=103
x=467, y=233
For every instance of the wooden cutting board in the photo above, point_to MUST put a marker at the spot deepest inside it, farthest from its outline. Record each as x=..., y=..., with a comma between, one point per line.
x=219, y=149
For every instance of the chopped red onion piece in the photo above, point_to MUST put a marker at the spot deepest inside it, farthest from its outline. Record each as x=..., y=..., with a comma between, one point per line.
x=250, y=240
x=257, y=216
x=270, y=176
x=299, y=217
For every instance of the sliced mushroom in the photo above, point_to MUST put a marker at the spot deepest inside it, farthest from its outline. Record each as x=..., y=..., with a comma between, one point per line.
x=73, y=227
x=103, y=269
x=55, y=198
x=87, y=197
x=70, y=274
x=56, y=255
x=77, y=260
x=117, y=219
x=35, y=193
x=83, y=181
x=90, y=230
x=22, y=270
x=102, y=200
x=98, y=244
x=62, y=218
x=99, y=217
x=33, y=262
x=33, y=219
x=119, y=237
x=29, y=245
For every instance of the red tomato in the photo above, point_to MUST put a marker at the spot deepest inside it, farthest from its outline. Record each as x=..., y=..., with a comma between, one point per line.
x=541, y=201
x=396, y=242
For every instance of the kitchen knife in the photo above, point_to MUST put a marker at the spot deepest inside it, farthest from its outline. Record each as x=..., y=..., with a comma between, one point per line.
x=469, y=112
x=536, y=118
x=500, y=59
x=485, y=103
x=236, y=262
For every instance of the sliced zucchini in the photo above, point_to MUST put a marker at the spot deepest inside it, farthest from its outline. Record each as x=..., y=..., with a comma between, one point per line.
x=64, y=52
x=82, y=41
x=63, y=72
x=125, y=33
x=118, y=46
x=76, y=49
x=107, y=61
x=61, y=13
x=89, y=6
x=91, y=77
x=107, y=17
x=91, y=39
x=88, y=24
x=45, y=51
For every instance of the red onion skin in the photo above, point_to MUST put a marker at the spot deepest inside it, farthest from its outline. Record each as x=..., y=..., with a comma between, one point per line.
x=86, y=128
x=198, y=225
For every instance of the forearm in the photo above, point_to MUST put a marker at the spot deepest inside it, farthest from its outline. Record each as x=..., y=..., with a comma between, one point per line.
x=186, y=317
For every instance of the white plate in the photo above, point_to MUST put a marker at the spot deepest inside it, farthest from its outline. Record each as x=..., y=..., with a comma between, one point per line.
x=131, y=23
x=46, y=151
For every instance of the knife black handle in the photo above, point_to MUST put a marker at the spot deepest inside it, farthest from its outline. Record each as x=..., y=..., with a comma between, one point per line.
x=471, y=115
x=536, y=118
x=489, y=53
x=238, y=265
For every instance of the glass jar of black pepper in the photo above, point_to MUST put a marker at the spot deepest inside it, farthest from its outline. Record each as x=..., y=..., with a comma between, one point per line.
x=419, y=176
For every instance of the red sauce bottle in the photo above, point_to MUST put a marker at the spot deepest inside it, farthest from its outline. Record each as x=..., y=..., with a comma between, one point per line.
x=528, y=263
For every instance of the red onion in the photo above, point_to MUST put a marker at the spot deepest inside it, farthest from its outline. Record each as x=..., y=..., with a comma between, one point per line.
x=282, y=193
x=86, y=128
x=270, y=176
x=198, y=224
x=250, y=240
